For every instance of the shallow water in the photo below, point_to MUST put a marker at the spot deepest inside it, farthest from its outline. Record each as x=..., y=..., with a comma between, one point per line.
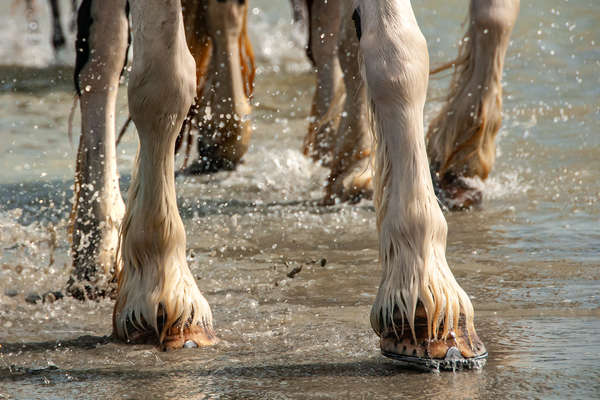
x=529, y=258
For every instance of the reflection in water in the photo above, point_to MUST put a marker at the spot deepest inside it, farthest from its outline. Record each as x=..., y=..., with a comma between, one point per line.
x=528, y=258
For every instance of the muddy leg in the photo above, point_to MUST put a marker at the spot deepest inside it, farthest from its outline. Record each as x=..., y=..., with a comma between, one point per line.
x=325, y=21
x=461, y=139
x=351, y=168
x=420, y=313
x=98, y=207
x=158, y=300
x=224, y=107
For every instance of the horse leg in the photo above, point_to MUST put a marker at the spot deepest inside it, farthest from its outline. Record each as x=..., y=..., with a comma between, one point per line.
x=158, y=299
x=98, y=207
x=461, y=139
x=351, y=169
x=420, y=312
x=58, y=37
x=325, y=20
x=225, y=64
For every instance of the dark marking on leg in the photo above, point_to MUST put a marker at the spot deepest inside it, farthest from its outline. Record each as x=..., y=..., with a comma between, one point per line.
x=309, y=53
x=58, y=37
x=82, y=44
x=128, y=38
x=356, y=19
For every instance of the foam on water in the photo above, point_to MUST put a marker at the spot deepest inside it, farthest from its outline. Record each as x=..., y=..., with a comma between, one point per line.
x=283, y=48
x=33, y=257
x=288, y=173
x=501, y=185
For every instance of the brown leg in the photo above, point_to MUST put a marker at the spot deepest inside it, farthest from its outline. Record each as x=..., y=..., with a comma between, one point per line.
x=225, y=71
x=98, y=207
x=351, y=173
x=158, y=299
x=461, y=139
x=325, y=21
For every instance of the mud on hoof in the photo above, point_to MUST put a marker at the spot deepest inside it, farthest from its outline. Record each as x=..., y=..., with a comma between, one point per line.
x=457, y=351
x=454, y=192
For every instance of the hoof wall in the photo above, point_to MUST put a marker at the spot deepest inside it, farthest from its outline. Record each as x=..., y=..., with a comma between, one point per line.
x=453, y=361
x=190, y=338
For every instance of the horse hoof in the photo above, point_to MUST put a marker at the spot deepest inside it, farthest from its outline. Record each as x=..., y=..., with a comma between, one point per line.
x=457, y=351
x=189, y=338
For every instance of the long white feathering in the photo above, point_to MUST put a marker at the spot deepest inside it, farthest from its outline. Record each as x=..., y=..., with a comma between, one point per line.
x=155, y=283
x=461, y=139
x=157, y=277
x=412, y=229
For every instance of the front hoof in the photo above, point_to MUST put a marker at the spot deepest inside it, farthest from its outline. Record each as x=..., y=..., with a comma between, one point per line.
x=193, y=337
x=455, y=352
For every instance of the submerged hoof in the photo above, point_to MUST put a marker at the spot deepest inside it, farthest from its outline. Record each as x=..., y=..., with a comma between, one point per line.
x=461, y=197
x=353, y=195
x=208, y=165
x=193, y=337
x=456, y=193
x=457, y=351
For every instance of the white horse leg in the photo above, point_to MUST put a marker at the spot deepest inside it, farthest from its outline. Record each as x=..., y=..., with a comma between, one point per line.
x=98, y=207
x=461, y=140
x=325, y=20
x=420, y=310
x=225, y=84
x=351, y=169
x=158, y=299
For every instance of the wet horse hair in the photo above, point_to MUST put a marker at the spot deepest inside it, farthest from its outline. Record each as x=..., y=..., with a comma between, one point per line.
x=421, y=313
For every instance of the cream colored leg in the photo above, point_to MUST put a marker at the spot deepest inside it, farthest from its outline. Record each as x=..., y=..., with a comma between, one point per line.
x=461, y=139
x=158, y=299
x=417, y=291
x=98, y=207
